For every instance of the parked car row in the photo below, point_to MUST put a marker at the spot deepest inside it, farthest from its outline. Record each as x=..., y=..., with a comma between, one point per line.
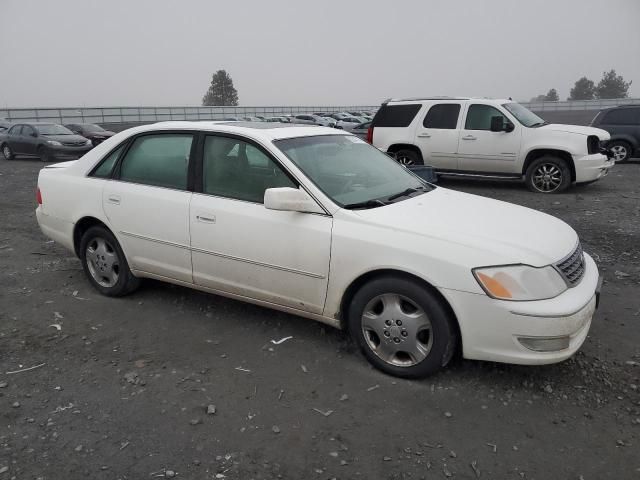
x=49, y=141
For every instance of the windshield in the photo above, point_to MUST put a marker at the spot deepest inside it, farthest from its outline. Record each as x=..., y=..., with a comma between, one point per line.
x=525, y=116
x=53, y=129
x=89, y=127
x=350, y=171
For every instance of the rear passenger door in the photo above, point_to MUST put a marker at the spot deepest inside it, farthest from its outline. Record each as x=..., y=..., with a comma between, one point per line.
x=483, y=151
x=14, y=139
x=437, y=135
x=147, y=203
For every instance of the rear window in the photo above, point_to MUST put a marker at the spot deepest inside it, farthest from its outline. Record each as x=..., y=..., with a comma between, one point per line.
x=396, y=115
x=622, y=116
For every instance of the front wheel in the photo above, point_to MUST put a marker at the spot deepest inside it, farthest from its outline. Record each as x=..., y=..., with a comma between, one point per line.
x=548, y=174
x=402, y=327
x=104, y=263
x=43, y=153
x=621, y=151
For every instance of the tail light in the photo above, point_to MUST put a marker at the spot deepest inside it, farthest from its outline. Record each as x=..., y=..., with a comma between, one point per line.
x=39, y=196
x=370, y=135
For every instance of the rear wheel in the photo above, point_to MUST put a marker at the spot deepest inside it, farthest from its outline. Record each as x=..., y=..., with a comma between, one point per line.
x=104, y=263
x=621, y=150
x=408, y=157
x=402, y=327
x=7, y=153
x=548, y=174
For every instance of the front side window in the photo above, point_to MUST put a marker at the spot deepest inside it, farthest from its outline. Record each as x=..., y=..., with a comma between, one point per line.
x=233, y=168
x=53, y=129
x=158, y=160
x=15, y=130
x=27, y=130
x=443, y=116
x=479, y=117
x=350, y=171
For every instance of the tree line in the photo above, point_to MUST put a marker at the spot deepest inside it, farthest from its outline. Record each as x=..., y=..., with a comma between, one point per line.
x=611, y=85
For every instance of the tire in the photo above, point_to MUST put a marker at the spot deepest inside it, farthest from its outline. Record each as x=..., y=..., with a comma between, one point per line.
x=621, y=150
x=401, y=327
x=548, y=174
x=104, y=263
x=408, y=157
x=43, y=153
x=7, y=152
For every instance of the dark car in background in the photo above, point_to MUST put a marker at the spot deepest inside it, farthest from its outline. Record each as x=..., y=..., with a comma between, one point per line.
x=93, y=132
x=47, y=141
x=623, y=124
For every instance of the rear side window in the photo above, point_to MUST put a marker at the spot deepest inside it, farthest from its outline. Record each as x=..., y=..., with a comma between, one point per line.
x=444, y=116
x=396, y=115
x=106, y=167
x=622, y=116
x=159, y=160
x=479, y=117
x=15, y=130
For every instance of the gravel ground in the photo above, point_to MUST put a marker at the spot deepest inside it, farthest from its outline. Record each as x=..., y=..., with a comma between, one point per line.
x=170, y=382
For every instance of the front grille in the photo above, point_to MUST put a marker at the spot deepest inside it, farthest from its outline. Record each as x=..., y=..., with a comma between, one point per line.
x=77, y=143
x=572, y=267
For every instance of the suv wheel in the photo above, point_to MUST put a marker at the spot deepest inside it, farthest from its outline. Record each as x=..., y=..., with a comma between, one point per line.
x=104, y=263
x=548, y=174
x=401, y=327
x=6, y=152
x=621, y=150
x=408, y=157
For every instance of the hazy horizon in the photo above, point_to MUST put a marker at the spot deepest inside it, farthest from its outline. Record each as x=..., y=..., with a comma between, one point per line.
x=120, y=53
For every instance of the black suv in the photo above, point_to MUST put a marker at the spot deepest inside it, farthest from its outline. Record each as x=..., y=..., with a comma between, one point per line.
x=623, y=124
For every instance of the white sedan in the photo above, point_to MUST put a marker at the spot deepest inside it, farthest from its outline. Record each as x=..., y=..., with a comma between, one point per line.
x=316, y=222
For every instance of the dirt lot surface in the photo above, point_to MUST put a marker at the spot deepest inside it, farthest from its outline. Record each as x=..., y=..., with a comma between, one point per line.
x=123, y=386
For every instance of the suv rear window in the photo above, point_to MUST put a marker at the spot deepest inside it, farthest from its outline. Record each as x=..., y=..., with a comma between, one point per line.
x=622, y=116
x=396, y=115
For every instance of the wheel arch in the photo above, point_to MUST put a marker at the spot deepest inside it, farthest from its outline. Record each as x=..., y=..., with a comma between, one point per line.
x=541, y=152
x=81, y=226
x=630, y=139
x=396, y=147
x=366, y=277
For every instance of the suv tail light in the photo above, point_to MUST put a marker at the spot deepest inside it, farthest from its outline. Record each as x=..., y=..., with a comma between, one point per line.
x=370, y=135
x=39, y=196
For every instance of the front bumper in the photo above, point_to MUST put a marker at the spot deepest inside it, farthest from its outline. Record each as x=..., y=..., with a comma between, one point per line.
x=67, y=153
x=493, y=330
x=590, y=168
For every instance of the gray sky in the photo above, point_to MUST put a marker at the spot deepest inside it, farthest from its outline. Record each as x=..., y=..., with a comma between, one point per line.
x=301, y=52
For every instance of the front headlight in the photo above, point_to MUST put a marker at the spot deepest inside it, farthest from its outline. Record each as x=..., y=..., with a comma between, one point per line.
x=88, y=143
x=520, y=282
x=53, y=143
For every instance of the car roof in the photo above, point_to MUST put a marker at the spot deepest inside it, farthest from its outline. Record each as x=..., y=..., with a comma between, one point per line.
x=263, y=130
x=445, y=98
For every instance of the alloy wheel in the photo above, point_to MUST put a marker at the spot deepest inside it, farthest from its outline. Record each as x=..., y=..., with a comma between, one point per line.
x=103, y=262
x=619, y=153
x=547, y=178
x=6, y=151
x=404, y=160
x=397, y=330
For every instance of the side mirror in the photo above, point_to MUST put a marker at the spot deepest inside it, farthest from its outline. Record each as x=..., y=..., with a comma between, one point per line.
x=34, y=134
x=498, y=124
x=290, y=200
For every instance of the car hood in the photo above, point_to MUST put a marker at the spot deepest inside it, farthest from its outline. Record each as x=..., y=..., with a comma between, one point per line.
x=65, y=138
x=482, y=230
x=558, y=127
x=105, y=134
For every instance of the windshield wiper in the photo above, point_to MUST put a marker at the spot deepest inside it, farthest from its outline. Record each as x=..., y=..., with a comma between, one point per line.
x=405, y=193
x=366, y=204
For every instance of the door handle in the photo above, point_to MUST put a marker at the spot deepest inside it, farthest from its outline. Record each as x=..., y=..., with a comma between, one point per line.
x=469, y=137
x=115, y=199
x=424, y=135
x=204, y=219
